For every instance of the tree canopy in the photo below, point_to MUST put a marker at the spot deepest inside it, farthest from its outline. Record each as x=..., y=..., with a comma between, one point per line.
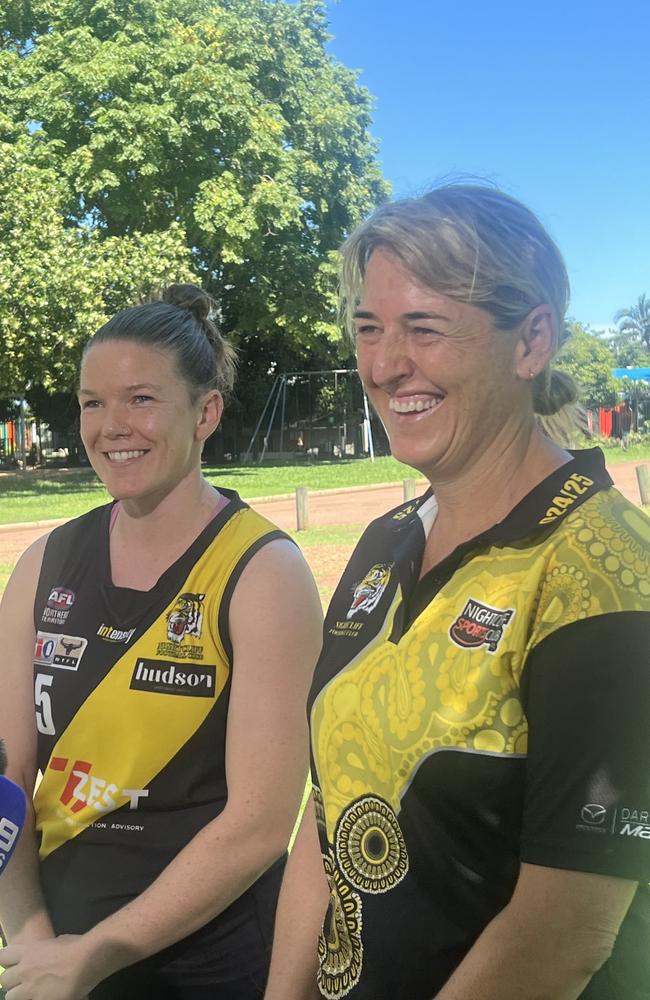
x=145, y=140
x=58, y=282
x=631, y=341
x=589, y=361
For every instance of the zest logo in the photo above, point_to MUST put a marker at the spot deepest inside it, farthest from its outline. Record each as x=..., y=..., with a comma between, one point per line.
x=85, y=789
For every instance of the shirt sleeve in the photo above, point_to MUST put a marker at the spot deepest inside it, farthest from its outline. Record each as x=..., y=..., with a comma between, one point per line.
x=586, y=692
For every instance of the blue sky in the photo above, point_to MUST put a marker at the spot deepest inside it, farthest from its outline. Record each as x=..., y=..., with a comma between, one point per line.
x=550, y=101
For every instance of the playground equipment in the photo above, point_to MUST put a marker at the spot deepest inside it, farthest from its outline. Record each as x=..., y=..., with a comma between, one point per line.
x=338, y=387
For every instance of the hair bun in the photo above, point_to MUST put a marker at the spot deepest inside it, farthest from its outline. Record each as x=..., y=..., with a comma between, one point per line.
x=552, y=390
x=189, y=297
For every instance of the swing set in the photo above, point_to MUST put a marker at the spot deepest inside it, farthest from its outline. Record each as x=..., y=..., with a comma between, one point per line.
x=284, y=396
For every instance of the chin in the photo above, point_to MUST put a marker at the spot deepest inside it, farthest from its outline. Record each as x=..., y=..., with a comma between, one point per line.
x=415, y=458
x=122, y=492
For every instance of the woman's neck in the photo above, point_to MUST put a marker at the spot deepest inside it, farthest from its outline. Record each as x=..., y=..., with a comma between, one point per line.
x=484, y=494
x=147, y=538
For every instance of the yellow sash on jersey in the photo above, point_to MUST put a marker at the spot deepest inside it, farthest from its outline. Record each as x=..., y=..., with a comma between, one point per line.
x=121, y=738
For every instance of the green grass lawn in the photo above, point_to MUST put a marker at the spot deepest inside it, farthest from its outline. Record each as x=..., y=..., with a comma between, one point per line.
x=635, y=453
x=42, y=496
x=333, y=534
x=5, y=573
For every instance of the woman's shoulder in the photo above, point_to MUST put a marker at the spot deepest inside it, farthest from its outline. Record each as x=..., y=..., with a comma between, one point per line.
x=604, y=548
x=78, y=530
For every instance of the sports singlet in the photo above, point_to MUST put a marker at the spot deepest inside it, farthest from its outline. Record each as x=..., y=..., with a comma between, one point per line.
x=131, y=698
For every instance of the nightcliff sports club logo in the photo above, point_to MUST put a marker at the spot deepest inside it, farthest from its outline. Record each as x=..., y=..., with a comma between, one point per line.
x=479, y=625
x=58, y=606
x=186, y=617
x=115, y=634
x=163, y=677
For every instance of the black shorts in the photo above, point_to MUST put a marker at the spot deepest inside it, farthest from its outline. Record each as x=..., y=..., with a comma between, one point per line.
x=228, y=959
x=141, y=983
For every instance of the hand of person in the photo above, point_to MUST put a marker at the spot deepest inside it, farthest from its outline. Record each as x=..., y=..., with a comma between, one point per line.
x=54, y=969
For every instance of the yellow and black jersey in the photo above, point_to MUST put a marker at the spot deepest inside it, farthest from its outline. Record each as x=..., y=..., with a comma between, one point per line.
x=131, y=700
x=492, y=712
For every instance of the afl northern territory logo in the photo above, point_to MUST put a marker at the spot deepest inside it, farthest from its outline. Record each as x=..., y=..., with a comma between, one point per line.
x=479, y=625
x=58, y=606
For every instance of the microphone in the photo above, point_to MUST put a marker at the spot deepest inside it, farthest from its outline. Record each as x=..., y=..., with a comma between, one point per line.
x=13, y=806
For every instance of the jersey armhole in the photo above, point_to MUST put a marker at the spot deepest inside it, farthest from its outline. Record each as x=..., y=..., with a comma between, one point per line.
x=223, y=620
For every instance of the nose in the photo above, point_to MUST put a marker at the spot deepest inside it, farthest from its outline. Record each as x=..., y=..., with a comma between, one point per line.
x=390, y=362
x=116, y=424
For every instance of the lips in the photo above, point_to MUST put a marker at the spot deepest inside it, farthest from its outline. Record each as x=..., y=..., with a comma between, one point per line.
x=414, y=403
x=123, y=456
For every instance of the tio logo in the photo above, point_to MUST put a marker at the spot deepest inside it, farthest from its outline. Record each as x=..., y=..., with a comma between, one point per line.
x=8, y=833
x=83, y=789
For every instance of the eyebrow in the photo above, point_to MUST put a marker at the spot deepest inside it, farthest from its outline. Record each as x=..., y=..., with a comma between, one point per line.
x=426, y=315
x=362, y=314
x=129, y=388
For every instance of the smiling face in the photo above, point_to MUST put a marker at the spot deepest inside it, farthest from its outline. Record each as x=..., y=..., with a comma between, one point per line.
x=141, y=431
x=446, y=384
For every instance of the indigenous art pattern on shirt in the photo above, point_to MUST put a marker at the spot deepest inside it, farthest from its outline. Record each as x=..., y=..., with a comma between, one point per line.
x=426, y=695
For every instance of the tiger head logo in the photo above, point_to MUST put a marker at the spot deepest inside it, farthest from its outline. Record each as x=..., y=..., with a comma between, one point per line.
x=186, y=617
x=367, y=593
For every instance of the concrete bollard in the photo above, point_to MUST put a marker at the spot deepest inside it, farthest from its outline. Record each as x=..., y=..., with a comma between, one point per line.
x=643, y=477
x=409, y=489
x=302, y=508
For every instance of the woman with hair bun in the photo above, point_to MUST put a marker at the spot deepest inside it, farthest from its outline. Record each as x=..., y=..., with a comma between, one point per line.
x=479, y=712
x=173, y=634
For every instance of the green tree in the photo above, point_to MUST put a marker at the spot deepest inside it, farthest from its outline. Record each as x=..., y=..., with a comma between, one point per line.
x=58, y=283
x=589, y=361
x=634, y=322
x=220, y=123
x=627, y=349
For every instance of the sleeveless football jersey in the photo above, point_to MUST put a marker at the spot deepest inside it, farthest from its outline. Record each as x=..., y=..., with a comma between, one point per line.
x=131, y=698
x=492, y=712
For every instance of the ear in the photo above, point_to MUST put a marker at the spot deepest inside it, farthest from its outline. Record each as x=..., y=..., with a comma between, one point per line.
x=536, y=343
x=209, y=415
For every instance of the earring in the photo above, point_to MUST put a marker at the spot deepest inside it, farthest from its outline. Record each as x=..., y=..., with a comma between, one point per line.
x=531, y=374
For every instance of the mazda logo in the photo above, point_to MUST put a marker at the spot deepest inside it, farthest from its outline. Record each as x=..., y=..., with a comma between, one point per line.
x=593, y=813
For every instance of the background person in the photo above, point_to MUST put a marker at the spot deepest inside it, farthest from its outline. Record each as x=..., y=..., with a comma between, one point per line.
x=172, y=634
x=479, y=711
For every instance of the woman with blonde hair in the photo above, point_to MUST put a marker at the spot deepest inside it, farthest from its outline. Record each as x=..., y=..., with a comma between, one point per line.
x=479, y=735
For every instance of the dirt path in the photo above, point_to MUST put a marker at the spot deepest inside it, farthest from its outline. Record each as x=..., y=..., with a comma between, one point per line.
x=340, y=507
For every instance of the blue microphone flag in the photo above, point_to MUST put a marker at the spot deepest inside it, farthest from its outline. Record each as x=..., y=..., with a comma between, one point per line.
x=13, y=806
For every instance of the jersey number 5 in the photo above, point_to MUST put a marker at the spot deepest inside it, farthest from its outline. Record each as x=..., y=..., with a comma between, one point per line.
x=43, y=704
